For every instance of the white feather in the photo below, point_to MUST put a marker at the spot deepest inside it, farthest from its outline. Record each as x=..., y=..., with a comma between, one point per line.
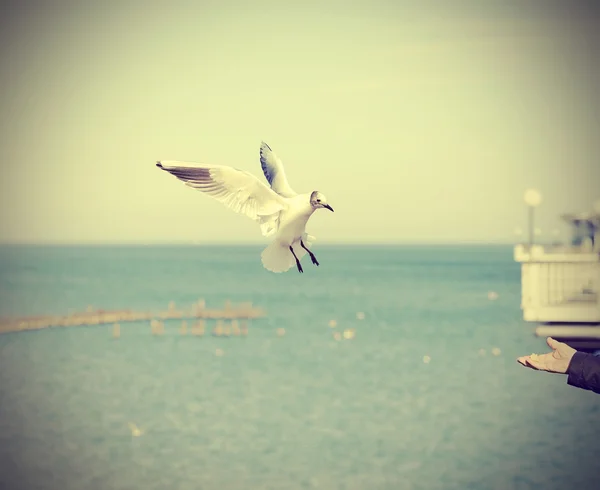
x=277, y=256
x=240, y=191
x=274, y=172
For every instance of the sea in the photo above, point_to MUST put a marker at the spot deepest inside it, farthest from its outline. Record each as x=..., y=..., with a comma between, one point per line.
x=425, y=394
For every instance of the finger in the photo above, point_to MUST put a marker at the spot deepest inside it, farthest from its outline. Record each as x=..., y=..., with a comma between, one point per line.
x=553, y=344
x=527, y=362
x=523, y=360
x=535, y=364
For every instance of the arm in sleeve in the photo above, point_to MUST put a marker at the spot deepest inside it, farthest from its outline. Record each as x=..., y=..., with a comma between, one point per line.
x=584, y=372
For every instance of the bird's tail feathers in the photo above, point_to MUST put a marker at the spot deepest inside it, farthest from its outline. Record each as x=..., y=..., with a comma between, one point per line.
x=278, y=258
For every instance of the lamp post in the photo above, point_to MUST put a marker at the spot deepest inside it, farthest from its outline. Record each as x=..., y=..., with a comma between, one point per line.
x=532, y=199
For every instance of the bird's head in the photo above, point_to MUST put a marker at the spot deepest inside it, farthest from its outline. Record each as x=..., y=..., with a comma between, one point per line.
x=318, y=200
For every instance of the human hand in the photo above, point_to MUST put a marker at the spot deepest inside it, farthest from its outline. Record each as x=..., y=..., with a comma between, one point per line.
x=556, y=361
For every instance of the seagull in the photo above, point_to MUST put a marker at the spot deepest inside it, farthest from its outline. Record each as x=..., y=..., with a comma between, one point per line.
x=280, y=211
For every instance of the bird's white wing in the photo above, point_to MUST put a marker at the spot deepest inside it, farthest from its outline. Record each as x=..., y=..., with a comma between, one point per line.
x=274, y=172
x=240, y=191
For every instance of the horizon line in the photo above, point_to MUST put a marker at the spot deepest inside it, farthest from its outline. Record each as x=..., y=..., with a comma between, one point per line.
x=191, y=243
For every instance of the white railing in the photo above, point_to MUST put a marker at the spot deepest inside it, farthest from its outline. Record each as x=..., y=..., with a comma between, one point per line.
x=559, y=284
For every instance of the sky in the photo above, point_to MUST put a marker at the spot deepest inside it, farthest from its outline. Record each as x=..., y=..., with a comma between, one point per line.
x=422, y=122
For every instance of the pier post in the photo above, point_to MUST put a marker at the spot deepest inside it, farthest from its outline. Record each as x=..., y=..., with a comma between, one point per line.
x=198, y=328
x=244, y=328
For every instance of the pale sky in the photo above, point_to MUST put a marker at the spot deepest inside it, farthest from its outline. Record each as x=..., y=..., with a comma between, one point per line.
x=420, y=123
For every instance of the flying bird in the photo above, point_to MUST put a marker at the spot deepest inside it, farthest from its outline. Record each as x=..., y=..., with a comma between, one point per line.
x=280, y=211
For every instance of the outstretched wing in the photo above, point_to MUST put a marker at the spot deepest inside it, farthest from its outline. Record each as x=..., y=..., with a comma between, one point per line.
x=274, y=172
x=238, y=190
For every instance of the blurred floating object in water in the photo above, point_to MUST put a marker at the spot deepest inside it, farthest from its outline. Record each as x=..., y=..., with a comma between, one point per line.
x=157, y=321
x=116, y=333
x=337, y=335
x=481, y=352
x=280, y=332
x=426, y=359
x=198, y=328
x=496, y=351
x=135, y=430
x=332, y=323
x=360, y=315
x=157, y=327
x=217, y=331
x=219, y=352
x=103, y=317
x=349, y=333
x=492, y=295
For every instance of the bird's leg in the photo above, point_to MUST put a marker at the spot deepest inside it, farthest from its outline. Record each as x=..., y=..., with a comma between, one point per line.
x=312, y=255
x=297, y=261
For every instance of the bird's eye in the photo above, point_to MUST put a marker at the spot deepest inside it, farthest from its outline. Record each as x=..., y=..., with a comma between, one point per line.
x=318, y=200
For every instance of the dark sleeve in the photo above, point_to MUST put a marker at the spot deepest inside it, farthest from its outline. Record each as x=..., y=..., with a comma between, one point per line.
x=584, y=372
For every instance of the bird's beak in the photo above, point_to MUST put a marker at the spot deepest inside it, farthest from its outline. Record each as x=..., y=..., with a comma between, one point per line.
x=328, y=207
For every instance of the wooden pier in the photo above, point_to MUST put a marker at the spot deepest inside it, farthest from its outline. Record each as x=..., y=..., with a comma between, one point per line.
x=243, y=311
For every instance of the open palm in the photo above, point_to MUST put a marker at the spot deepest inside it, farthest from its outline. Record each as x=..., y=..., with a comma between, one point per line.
x=556, y=361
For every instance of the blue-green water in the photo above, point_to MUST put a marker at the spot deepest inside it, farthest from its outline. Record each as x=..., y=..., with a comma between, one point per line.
x=298, y=411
